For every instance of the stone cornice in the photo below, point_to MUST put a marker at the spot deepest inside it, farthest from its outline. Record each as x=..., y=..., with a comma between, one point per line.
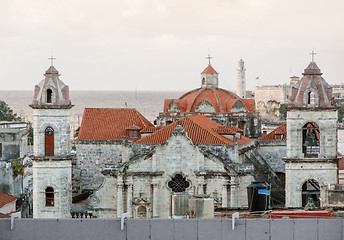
x=51, y=106
x=310, y=160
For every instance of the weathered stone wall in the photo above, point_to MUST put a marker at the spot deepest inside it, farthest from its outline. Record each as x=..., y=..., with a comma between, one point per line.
x=56, y=174
x=269, y=98
x=93, y=157
x=297, y=173
x=273, y=154
x=59, y=120
x=326, y=119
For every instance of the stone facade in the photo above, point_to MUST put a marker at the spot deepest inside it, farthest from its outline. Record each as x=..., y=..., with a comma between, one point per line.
x=268, y=100
x=141, y=185
x=54, y=173
x=59, y=121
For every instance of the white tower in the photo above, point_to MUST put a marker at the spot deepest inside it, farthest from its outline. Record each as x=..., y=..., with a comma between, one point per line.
x=52, y=169
x=241, y=81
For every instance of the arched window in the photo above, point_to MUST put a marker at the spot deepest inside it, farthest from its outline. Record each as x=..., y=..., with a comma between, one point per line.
x=49, y=197
x=311, y=140
x=142, y=212
x=310, y=193
x=49, y=95
x=311, y=98
x=49, y=141
x=178, y=183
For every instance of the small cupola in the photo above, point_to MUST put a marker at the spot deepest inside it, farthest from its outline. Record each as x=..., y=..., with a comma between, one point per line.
x=51, y=91
x=209, y=77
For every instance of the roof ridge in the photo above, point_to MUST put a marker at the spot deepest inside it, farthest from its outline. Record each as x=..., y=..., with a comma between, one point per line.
x=216, y=135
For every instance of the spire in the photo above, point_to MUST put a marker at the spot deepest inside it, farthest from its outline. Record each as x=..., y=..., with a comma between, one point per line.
x=52, y=69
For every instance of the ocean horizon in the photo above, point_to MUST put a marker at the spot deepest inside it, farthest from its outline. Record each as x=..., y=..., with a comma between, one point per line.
x=148, y=103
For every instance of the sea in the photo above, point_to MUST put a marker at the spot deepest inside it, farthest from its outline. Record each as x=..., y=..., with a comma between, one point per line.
x=148, y=103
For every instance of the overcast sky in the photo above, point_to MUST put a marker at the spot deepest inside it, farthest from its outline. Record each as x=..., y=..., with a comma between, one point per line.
x=163, y=44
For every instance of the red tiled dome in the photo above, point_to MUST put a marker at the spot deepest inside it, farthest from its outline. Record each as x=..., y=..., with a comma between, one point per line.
x=220, y=100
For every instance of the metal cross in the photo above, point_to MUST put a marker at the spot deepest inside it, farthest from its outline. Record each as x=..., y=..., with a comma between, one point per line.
x=209, y=57
x=312, y=53
x=52, y=60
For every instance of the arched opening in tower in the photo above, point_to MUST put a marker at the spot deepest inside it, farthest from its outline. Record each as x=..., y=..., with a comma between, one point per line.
x=310, y=193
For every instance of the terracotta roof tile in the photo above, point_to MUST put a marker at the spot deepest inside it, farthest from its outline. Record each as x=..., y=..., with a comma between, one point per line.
x=110, y=123
x=277, y=135
x=6, y=198
x=199, y=129
x=150, y=129
x=209, y=69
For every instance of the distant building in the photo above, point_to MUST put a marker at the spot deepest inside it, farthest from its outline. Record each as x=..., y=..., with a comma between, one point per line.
x=13, y=147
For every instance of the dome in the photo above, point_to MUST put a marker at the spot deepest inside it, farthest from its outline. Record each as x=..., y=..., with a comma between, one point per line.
x=211, y=100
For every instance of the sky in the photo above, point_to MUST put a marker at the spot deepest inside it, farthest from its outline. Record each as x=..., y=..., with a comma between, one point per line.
x=163, y=44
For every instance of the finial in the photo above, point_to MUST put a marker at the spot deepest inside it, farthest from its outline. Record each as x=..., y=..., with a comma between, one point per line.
x=312, y=53
x=52, y=60
x=209, y=57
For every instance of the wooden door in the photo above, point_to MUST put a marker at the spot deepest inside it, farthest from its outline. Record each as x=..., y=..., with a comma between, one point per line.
x=49, y=141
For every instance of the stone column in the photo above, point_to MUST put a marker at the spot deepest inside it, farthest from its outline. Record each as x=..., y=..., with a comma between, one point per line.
x=155, y=183
x=119, y=195
x=224, y=193
x=130, y=197
x=234, y=191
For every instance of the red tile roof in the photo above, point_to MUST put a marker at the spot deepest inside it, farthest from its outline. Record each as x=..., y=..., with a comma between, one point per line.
x=220, y=99
x=272, y=137
x=150, y=129
x=209, y=69
x=199, y=129
x=6, y=199
x=110, y=123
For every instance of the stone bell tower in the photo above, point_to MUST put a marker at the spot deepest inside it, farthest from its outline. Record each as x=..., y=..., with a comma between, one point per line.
x=52, y=183
x=311, y=140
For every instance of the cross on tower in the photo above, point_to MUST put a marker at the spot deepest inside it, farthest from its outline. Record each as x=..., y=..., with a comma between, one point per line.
x=312, y=53
x=209, y=57
x=52, y=60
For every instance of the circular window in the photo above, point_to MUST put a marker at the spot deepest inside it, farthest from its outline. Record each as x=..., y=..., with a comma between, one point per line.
x=49, y=131
x=178, y=183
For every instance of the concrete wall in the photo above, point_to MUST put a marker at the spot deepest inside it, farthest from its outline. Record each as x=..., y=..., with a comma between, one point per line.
x=191, y=229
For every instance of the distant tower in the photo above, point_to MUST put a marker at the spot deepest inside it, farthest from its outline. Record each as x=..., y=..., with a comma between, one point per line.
x=241, y=81
x=52, y=183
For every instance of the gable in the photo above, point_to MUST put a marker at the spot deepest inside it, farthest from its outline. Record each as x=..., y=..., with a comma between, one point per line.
x=178, y=155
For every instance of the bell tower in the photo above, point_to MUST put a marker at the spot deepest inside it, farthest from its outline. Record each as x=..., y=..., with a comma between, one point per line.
x=51, y=161
x=311, y=160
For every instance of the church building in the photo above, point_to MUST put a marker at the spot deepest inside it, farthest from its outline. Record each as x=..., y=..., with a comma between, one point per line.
x=220, y=105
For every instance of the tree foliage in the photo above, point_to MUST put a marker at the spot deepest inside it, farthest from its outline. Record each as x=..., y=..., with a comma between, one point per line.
x=340, y=106
x=6, y=113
